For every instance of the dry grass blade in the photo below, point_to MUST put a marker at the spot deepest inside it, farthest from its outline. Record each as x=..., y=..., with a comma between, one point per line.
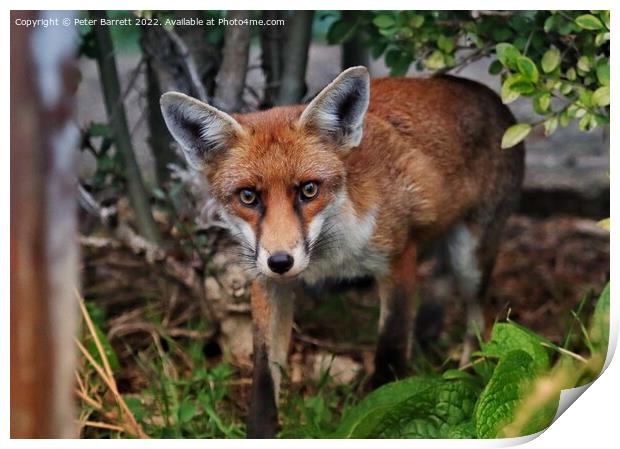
x=102, y=425
x=105, y=372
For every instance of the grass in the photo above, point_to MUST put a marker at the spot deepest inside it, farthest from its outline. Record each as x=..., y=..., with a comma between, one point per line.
x=185, y=393
x=177, y=402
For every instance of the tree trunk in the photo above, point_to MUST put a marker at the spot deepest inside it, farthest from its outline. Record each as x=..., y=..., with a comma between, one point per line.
x=354, y=52
x=118, y=122
x=230, y=80
x=299, y=33
x=272, y=43
x=43, y=228
x=159, y=137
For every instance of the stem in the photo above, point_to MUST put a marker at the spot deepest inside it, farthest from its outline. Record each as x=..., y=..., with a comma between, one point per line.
x=296, y=58
x=118, y=122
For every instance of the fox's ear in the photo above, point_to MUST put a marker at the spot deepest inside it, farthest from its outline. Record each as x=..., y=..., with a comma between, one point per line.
x=202, y=130
x=337, y=112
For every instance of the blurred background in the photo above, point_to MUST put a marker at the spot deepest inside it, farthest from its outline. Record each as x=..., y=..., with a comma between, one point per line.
x=165, y=306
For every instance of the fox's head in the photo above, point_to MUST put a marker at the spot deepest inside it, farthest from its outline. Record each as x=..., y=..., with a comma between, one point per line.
x=279, y=174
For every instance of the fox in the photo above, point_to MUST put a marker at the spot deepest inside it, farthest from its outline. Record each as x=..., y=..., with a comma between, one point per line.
x=357, y=183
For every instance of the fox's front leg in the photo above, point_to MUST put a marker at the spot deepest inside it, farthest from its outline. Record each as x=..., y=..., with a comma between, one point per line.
x=272, y=316
x=396, y=292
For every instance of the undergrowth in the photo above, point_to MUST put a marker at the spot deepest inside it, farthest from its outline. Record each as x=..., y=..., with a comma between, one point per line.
x=510, y=388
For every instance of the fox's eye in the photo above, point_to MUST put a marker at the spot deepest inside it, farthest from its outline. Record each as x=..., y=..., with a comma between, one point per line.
x=309, y=190
x=248, y=197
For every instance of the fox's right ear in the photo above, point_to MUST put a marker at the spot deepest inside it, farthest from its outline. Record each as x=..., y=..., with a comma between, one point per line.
x=202, y=130
x=337, y=113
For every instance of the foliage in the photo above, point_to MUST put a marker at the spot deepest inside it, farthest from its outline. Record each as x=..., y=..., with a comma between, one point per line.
x=508, y=402
x=558, y=59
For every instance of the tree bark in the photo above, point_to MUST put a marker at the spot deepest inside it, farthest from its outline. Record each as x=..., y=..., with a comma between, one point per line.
x=299, y=33
x=43, y=228
x=230, y=80
x=272, y=43
x=159, y=137
x=118, y=122
x=354, y=52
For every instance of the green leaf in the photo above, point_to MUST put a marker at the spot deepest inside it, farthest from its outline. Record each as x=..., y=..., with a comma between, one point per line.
x=550, y=124
x=542, y=102
x=550, y=60
x=507, y=54
x=549, y=24
x=602, y=72
x=416, y=21
x=583, y=64
x=511, y=382
x=435, y=61
x=340, y=31
x=589, y=22
x=515, y=134
x=527, y=68
x=384, y=21
x=466, y=430
x=363, y=419
x=508, y=94
x=445, y=43
x=495, y=67
x=571, y=74
x=448, y=405
x=600, y=97
x=601, y=38
x=564, y=119
x=599, y=325
x=186, y=411
x=99, y=130
x=506, y=337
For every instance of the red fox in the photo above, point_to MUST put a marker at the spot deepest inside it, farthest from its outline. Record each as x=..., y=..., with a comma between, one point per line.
x=355, y=184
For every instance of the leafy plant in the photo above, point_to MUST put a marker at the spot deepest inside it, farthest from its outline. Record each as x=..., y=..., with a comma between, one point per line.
x=513, y=390
x=558, y=59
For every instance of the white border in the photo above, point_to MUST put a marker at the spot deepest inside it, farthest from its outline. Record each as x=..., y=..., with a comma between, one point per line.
x=590, y=422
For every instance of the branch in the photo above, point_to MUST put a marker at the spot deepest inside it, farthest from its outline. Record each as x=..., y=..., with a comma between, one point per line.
x=190, y=64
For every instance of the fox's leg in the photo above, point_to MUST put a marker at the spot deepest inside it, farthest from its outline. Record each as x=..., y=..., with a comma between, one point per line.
x=472, y=257
x=396, y=292
x=272, y=316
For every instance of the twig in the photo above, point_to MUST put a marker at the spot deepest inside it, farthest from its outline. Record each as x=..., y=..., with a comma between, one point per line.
x=101, y=425
x=190, y=64
x=90, y=401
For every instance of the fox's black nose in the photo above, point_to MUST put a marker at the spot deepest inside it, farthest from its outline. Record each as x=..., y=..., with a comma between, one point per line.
x=280, y=262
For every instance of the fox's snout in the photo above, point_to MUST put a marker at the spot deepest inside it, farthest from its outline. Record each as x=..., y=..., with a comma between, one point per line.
x=280, y=262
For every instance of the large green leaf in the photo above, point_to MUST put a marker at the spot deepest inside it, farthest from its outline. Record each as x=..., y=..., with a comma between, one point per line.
x=362, y=420
x=433, y=414
x=507, y=337
x=511, y=381
x=599, y=325
x=418, y=407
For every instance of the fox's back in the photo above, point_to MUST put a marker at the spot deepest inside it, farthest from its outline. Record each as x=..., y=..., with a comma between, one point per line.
x=431, y=152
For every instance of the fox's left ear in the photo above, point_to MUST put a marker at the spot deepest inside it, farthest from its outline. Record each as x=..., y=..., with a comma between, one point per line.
x=203, y=131
x=337, y=112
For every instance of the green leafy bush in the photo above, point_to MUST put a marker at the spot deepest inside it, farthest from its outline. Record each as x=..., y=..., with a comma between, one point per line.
x=558, y=59
x=513, y=391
